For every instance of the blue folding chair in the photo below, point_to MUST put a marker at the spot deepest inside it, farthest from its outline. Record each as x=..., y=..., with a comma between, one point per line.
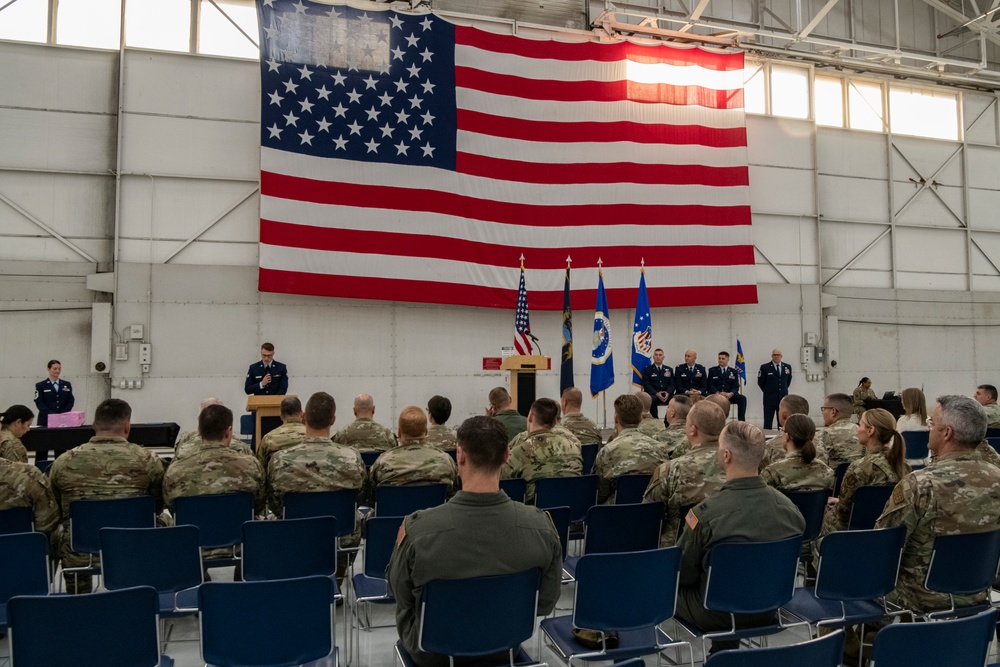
x=17, y=520
x=952, y=571
x=44, y=465
x=619, y=528
x=404, y=500
x=812, y=506
x=25, y=571
x=88, y=517
x=578, y=492
x=370, y=586
x=916, y=444
x=629, y=593
x=290, y=548
x=630, y=488
x=515, y=488
x=867, y=505
x=369, y=457
x=961, y=642
x=826, y=651
x=838, y=476
x=994, y=443
x=268, y=623
x=993, y=433
x=341, y=505
x=589, y=454
x=497, y=614
x=108, y=629
x=219, y=518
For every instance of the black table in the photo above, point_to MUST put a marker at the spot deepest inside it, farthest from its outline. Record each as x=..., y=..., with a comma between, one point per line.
x=160, y=434
x=893, y=405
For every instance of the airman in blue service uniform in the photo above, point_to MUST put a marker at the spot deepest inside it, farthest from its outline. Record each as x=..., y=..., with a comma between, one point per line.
x=725, y=381
x=658, y=381
x=267, y=377
x=690, y=378
x=774, y=378
x=52, y=395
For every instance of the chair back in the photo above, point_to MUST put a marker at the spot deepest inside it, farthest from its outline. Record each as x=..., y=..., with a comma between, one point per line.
x=916, y=444
x=838, y=477
x=952, y=570
x=578, y=492
x=626, y=591
x=168, y=559
x=516, y=488
x=404, y=500
x=369, y=457
x=993, y=433
x=44, y=465
x=867, y=505
x=264, y=623
x=497, y=613
x=289, y=548
x=219, y=517
x=994, y=443
x=380, y=540
x=681, y=516
x=617, y=528
x=827, y=651
x=812, y=506
x=560, y=519
x=630, y=488
x=87, y=517
x=589, y=454
x=108, y=629
x=341, y=504
x=774, y=566
x=25, y=571
x=963, y=642
x=16, y=520
x=841, y=575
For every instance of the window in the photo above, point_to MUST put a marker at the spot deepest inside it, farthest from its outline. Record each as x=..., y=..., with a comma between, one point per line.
x=829, y=101
x=753, y=88
x=865, y=100
x=790, y=91
x=25, y=20
x=218, y=36
x=158, y=24
x=923, y=112
x=93, y=23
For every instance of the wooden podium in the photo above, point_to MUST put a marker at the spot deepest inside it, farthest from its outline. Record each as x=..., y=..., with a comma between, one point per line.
x=522, y=369
x=263, y=407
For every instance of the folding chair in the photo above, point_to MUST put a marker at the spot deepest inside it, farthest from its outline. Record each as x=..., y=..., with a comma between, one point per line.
x=812, y=506
x=619, y=528
x=916, y=444
x=630, y=488
x=823, y=652
x=87, y=517
x=496, y=613
x=994, y=443
x=370, y=586
x=290, y=548
x=961, y=642
x=993, y=433
x=589, y=454
x=629, y=593
x=268, y=623
x=578, y=492
x=17, y=520
x=515, y=488
x=25, y=571
x=219, y=518
x=867, y=505
x=108, y=629
x=404, y=500
x=953, y=571
x=369, y=457
x=838, y=476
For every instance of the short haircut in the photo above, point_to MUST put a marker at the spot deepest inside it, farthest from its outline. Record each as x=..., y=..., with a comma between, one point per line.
x=291, y=406
x=659, y=349
x=724, y=354
x=16, y=413
x=794, y=404
x=681, y=405
x=320, y=410
x=412, y=422
x=989, y=389
x=53, y=362
x=842, y=403
x=484, y=441
x=573, y=396
x=499, y=397
x=746, y=443
x=628, y=407
x=645, y=399
x=267, y=347
x=112, y=414
x=719, y=400
x=440, y=409
x=546, y=411
x=966, y=418
x=213, y=422
x=708, y=417
x=364, y=403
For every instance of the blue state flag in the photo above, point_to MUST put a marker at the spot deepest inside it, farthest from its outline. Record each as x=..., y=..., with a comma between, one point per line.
x=741, y=364
x=602, y=363
x=566, y=369
x=642, y=334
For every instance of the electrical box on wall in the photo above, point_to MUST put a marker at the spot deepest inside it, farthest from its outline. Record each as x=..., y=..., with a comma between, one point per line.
x=145, y=353
x=135, y=332
x=121, y=351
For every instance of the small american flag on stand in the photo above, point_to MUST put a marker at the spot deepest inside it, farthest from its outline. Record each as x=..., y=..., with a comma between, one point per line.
x=522, y=328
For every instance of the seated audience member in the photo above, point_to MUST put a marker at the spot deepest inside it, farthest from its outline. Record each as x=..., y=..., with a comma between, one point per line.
x=584, y=429
x=24, y=485
x=630, y=451
x=799, y=470
x=291, y=432
x=501, y=410
x=884, y=463
x=648, y=425
x=839, y=437
x=959, y=493
x=364, y=434
x=108, y=466
x=188, y=441
x=544, y=452
x=675, y=435
x=725, y=382
x=689, y=479
x=413, y=461
x=774, y=449
x=14, y=423
x=721, y=401
x=440, y=436
x=862, y=392
x=986, y=395
x=915, y=411
x=744, y=509
x=449, y=541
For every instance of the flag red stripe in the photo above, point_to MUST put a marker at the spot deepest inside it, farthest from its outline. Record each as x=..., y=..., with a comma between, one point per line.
x=438, y=247
x=596, y=91
x=566, y=132
x=472, y=208
x=599, y=52
x=607, y=172
x=389, y=289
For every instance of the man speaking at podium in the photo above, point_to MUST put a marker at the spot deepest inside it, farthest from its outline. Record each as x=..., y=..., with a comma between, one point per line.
x=267, y=377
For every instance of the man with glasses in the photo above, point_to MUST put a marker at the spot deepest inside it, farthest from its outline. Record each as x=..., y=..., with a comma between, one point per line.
x=839, y=437
x=267, y=377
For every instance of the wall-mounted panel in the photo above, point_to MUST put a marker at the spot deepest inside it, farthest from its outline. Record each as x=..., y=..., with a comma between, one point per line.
x=847, y=153
x=45, y=77
x=846, y=198
x=57, y=140
x=789, y=242
x=779, y=190
x=189, y=147
x=780, y=142
x=73, y=205
x=983, y=207
x=940, y=206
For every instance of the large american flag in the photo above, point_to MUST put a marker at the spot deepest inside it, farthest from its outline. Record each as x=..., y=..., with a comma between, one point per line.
x=407, y=158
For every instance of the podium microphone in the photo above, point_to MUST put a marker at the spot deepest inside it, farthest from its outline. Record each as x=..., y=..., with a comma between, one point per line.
x=536, y=341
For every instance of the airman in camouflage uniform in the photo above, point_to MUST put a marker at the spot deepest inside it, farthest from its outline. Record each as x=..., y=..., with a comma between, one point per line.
x=674, y=436
x=106, y=467
x=24, y=485
x=793, y=474
x=544, y=452
x=986, y=396
x=11, y=448
x=839, y=437
x=14, y=423
x=291, y=432
x=189, y=442
x=689, y=479
x=584, y=429
x=648, y=425
x=439, y=436
x=774, y=448
x=957, y=493
x=630, y=452
x=872, y=470
x=364, y=434
x=413, y=461
x=987, y=453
